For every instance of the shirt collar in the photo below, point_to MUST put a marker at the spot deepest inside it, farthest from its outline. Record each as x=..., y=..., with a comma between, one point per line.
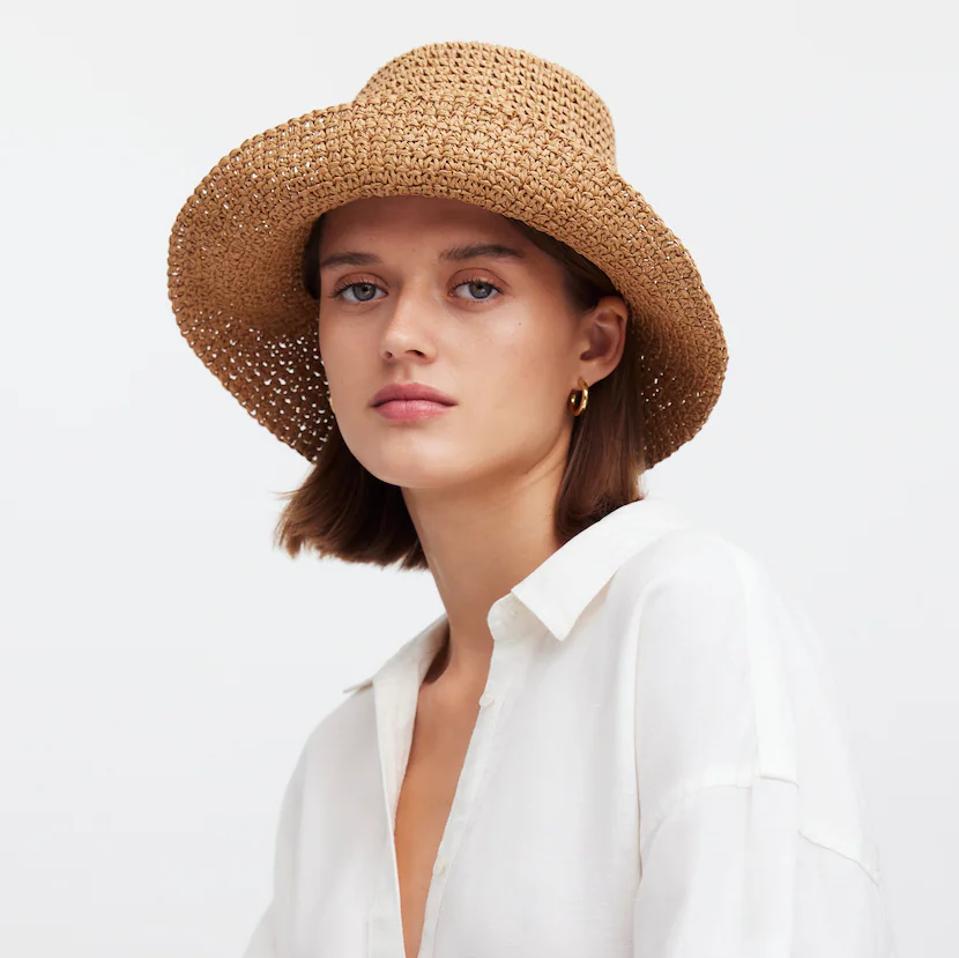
x=558, y=590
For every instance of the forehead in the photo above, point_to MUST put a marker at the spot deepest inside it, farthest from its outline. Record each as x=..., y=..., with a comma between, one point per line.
x=393, y=216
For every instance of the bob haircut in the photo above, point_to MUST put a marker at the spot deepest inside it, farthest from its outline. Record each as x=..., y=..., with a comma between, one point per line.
x=343, y=510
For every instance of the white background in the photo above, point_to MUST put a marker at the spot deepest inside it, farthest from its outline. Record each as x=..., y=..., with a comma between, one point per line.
x=161, y=663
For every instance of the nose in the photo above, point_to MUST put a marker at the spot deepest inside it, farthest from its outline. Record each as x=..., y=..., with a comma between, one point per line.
x=408, y=327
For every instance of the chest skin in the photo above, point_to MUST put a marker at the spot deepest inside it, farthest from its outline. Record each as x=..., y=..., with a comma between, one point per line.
x=442, y=731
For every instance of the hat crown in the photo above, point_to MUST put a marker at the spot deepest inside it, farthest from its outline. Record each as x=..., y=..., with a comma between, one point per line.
x=538, y=90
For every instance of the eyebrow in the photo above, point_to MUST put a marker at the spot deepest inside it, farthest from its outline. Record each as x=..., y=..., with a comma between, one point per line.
x=454, y=254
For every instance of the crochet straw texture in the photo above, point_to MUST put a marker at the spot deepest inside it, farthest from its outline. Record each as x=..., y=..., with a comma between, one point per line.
x=481, y=123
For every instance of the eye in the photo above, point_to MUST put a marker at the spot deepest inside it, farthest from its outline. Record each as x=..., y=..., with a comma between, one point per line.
x=362, y=292
x=363, y=287
x=483, y=284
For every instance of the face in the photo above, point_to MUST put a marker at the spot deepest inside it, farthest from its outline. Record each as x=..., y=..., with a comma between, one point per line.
x=451, y=296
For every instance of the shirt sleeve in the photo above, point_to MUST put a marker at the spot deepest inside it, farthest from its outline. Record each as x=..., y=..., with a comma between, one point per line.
x=270, y=935
x=752, y=843
x=729, y=874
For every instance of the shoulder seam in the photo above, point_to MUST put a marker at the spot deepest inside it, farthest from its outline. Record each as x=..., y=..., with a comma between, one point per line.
x=872, y=871
x=870, y=868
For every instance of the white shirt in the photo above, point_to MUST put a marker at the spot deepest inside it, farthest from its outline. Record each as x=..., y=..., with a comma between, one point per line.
x=657, y=770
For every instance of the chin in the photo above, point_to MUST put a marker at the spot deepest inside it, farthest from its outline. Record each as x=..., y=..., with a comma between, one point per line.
x=416, y=472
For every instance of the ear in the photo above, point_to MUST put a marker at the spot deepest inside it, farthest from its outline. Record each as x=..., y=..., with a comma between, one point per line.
x=603, y=328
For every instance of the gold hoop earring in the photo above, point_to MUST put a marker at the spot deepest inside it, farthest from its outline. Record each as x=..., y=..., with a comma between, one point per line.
x=578, y=404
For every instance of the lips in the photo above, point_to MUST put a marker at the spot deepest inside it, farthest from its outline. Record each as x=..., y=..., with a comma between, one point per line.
x=411, y=391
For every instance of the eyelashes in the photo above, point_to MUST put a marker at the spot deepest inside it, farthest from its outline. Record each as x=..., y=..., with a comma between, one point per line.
x=474, y=281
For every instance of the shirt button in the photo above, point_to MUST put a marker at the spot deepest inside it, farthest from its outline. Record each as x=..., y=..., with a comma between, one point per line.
x=439, y=868
x=487, y=698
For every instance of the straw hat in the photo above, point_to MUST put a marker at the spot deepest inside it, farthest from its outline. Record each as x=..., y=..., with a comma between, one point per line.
x=478, y=122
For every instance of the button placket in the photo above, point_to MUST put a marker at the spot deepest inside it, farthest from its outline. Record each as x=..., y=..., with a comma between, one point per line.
x=464, y=801
x=504, y=665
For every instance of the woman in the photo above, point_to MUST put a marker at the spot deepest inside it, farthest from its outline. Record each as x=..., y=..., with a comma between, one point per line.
x=619, y=737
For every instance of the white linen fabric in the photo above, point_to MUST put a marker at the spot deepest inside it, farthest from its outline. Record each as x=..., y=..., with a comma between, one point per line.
x=659, y=769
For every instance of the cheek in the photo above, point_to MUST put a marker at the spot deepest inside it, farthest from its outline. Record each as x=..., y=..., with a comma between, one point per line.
x=516, y=389
x=347, y=359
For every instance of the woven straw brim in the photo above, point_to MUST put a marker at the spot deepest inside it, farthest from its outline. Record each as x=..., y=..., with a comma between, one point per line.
x=235, y=253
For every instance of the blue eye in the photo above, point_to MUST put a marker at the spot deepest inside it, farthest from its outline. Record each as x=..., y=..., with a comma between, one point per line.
x=479, y=282
x=338, y=293
x=366, y=289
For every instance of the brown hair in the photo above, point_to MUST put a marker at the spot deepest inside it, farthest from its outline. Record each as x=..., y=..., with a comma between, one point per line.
x=343, y=510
